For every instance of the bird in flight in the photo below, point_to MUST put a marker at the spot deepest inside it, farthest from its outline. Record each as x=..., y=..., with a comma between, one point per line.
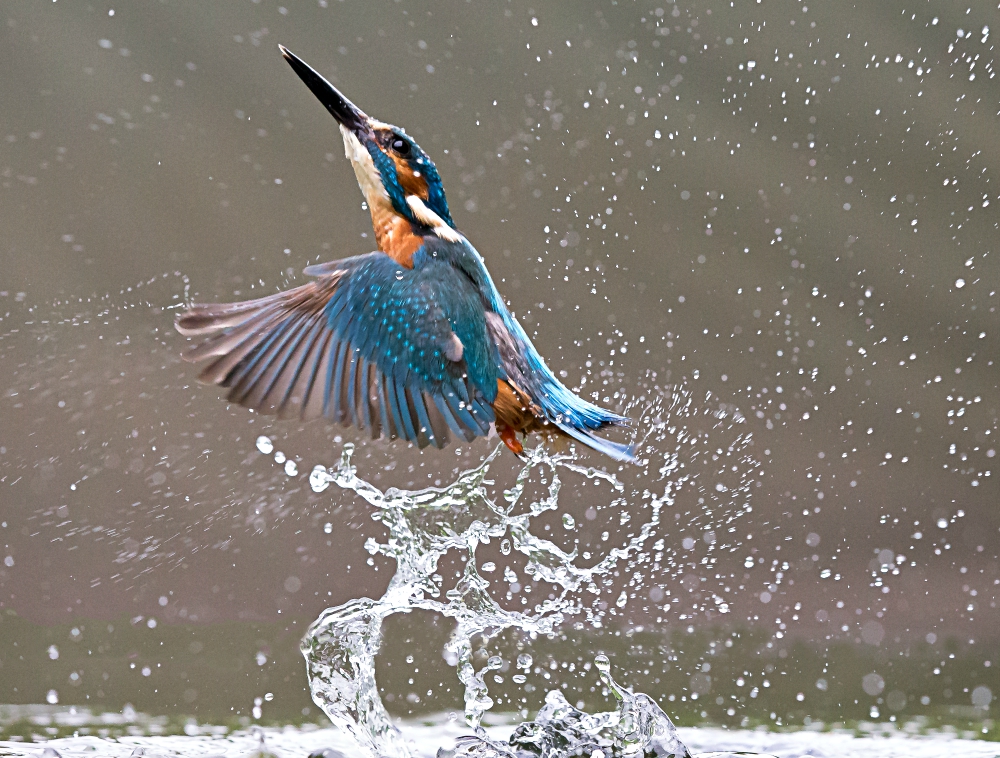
x=412, y=341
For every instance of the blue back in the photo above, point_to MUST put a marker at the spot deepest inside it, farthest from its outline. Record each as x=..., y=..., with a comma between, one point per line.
x=402, y=318
x=559, y=404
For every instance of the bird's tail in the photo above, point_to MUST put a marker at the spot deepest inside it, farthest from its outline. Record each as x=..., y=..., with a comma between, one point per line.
x=580, y=420
x=626, y=453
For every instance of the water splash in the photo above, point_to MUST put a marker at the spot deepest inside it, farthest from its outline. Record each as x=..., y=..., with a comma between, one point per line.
x=637, y=727
x=341, y=645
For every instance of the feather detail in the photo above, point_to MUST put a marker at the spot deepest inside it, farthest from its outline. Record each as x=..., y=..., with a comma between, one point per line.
x=333, y=348
x=454, y=348
x=427, y=217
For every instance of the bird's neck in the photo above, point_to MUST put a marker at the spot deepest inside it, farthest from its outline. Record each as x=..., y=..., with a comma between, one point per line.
x=395, y=235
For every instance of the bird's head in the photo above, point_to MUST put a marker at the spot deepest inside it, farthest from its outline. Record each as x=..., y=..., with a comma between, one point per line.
x=398, y=179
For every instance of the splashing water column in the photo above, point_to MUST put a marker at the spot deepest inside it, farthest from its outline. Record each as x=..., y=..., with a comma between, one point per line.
x=340, y=649
x=341, y=645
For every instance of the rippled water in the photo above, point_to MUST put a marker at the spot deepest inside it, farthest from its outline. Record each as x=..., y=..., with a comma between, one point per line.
x=424, y=739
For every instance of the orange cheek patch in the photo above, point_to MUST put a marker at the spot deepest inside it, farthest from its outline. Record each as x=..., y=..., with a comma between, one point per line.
x=409, y=181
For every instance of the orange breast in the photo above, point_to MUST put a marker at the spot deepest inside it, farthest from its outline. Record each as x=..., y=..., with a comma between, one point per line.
x=395, y=235
x=514, y=409
x=517, y=414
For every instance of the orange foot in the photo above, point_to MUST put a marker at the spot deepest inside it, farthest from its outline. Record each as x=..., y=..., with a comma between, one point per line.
x=509, y=437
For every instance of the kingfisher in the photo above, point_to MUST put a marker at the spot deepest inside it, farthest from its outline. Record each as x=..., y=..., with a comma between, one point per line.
x=412, y=341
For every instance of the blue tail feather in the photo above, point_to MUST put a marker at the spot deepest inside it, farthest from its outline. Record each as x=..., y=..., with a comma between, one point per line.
x=617, y=450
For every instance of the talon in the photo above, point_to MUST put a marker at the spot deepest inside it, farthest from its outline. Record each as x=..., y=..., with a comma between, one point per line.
x=509, y=437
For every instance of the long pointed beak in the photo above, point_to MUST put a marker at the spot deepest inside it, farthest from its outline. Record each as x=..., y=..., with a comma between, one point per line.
x=342, y=109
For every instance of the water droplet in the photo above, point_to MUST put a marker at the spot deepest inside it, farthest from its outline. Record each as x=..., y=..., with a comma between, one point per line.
x=872, y=684
x=265, y=445
x=602, y=663
x=319, y=480
x=982, y=696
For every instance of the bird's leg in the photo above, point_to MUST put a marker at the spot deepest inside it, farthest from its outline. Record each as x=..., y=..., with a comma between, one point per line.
x=509, y=436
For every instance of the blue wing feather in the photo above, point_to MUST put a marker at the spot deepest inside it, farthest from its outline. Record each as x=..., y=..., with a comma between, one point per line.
x=405, y=424
x=280, y=370
x=388, y=427
x=333, y=407
x=253, y=368
x=367, y=343
x=423, y=422
x=312, y=347
x=388, y=400
x=363, y=345
x=312, y=400
x=352, y=390
x=523, y=364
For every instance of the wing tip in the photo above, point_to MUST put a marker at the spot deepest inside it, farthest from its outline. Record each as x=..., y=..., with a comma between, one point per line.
x=192, y=323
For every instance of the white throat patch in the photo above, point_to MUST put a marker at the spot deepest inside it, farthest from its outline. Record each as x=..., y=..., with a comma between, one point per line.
x=364, y=169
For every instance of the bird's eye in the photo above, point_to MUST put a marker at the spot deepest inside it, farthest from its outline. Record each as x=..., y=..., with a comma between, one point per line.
x=401, y=146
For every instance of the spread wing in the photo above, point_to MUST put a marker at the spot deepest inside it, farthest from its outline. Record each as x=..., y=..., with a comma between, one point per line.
x=368, y=343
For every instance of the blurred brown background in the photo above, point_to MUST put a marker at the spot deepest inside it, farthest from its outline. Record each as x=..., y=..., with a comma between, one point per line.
x=782, y=209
